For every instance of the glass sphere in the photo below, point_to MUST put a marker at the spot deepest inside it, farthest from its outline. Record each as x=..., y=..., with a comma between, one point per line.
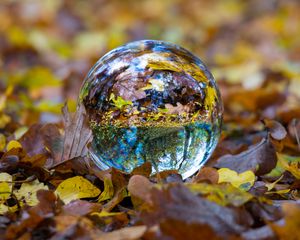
x=152, y=101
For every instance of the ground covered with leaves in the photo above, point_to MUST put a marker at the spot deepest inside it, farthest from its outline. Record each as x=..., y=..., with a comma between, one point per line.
x=49, y=188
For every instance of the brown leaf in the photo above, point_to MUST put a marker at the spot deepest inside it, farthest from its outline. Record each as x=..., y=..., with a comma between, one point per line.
x=287, y=115
x=294, y=131
x=207, y=174
x=77, y=134
x=80, y=208
x=32, y=141
x=74, y=227
x=177, y=202
x=145, y=169
x=73, y=144
x=53, y=141
x=62, y=148
x=275, y=128
x=10, y=160
x=264, y=211
x=163, y=175
x=253, y=100
x=289, y=227
x=44, y=139
x=119, y=181
x=139, y=188
x=48, y=205
x=178, y=230
x=260, y=158
x=128, y=233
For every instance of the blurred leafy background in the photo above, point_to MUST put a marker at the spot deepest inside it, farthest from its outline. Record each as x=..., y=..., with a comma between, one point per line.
x=47, y=47
x=253, y=50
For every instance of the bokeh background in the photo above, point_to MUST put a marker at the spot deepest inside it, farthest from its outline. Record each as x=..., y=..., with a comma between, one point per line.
x=48, y=46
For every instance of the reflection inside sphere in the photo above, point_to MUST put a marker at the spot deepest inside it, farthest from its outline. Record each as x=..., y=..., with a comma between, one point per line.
x=152, y=101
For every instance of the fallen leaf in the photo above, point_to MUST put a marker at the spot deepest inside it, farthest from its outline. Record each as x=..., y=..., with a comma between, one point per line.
x=31, y=218
x=139, y=189
x=35, y=78
x=277, y=131
x=222, y=194
x=177, y=202
x=27, y=192
x=128, y=233
x=76, y=188
x=5, y=186
x=117, y=198
x=2, y=142
x=178, y=230
x=74, y=227
x=43, y=139
x=243, y=181
x=80, y=208
x=207, y=174
x=270, y=186
x=13, y=144
x=145, y=170
x=119, y=181
x=291, y=164
x=108, y=191
x=289, y=227
x=260, y=158
x=4, y=120
x=5, y=191
x=106, y=214
x=286, y=163
x=77, y=135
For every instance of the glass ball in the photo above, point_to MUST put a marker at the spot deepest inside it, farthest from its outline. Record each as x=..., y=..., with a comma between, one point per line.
x=152, y=101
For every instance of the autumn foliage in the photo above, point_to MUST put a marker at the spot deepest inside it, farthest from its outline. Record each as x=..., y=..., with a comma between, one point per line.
x=50, y=188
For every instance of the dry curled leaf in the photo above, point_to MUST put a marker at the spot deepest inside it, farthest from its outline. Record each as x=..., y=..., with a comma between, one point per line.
x=276, y=129
x=260, y=158
x=179, y=203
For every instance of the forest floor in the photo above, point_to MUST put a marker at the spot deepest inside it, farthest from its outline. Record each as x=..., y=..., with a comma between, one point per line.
x=249, y=189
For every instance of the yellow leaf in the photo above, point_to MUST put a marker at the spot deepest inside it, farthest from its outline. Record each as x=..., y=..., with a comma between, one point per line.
x=20, y=132
x=4, y=119
x=5, y=190
x=244, y=180
x=3, y=208
x=108, y=191
x=2, y=142
x=49, y=106
x=222, y=194
x=17, y=36
x=76, y=188
x=36, y=78
x=5, y=186
x=13, y=144
x=27, y=192
x=291, y=164
x=270, y=186
x=4, y=96
x=106, y=214
x=280, y=192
